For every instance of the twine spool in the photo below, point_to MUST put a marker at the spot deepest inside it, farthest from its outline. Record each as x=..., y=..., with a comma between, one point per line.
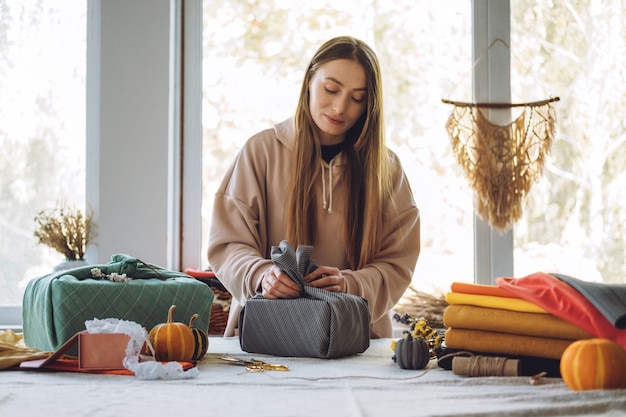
x=475, y=366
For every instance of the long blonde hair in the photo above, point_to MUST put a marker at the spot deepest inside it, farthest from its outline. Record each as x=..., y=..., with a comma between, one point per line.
x=369, y=178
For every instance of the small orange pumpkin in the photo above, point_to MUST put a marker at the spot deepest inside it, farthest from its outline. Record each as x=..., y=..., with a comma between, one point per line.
x=201, y=340
x=590, y=364
x=172, y=341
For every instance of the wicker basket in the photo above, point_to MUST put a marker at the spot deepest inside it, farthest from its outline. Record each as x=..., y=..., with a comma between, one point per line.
x=221, y=303
x=220, y=307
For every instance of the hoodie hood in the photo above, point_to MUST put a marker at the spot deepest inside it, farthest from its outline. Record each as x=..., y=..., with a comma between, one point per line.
x=286, y=134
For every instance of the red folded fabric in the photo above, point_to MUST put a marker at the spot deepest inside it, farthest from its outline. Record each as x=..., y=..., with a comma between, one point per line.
x=71, y=365
x=561, y=300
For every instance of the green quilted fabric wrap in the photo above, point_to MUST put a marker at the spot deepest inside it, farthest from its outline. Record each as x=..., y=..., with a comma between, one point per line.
x=56, y=306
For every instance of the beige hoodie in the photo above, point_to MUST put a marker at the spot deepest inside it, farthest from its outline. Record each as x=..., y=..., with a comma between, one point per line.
x=249, y=218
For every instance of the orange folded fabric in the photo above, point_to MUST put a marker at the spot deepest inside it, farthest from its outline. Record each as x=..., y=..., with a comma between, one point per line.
x=561, y=300
x=481, y=289
x=71, y=365
x=505, y=303
x=505, y=344
x=512, y=322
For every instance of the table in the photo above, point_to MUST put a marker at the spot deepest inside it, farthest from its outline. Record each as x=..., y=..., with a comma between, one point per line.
x=370, y=384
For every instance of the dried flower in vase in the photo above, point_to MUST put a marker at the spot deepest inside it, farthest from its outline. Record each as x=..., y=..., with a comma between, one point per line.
x=65, y=230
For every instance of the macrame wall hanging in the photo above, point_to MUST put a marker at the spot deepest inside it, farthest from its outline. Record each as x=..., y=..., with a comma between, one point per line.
x=501, y=162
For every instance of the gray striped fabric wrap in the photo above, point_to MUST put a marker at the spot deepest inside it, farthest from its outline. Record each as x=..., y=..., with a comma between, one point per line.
x=320, y=324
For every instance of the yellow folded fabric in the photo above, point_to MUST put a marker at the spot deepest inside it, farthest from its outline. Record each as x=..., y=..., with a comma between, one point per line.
x=505, y=344
x=504, y=303
x=13, y=351
x=513, y=322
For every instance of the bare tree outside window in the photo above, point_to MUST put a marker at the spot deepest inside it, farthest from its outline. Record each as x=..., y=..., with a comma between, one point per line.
x=42, y=130
x=255, y=55
x=576, y=217
x=255, y=52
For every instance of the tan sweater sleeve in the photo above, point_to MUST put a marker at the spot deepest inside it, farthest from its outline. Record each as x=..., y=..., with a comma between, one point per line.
x=247, y=220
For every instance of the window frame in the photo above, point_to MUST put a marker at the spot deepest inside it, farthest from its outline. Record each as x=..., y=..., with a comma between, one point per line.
x=493, y=251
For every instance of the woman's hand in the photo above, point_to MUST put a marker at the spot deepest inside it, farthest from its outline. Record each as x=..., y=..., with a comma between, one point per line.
x=327, y=278
x=277, y=284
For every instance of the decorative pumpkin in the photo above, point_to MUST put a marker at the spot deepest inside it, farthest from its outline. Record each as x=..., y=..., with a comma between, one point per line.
x=590, y=364
x=172, y=341
x=201, y=340
x=412, y=353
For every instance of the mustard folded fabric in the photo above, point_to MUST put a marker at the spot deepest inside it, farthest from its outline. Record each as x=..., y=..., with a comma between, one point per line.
x=513, y=322
x=504, y=303
x=13, y=351
x=505, y=344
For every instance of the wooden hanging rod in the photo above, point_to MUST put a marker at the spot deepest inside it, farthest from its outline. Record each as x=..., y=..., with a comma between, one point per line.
x=501, y=105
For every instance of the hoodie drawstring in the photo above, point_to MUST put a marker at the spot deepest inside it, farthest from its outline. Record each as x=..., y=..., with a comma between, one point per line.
x=327, y=206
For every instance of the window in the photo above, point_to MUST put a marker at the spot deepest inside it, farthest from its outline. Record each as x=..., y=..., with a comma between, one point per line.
x=255, y=54
x=42, y=130
x=576, y=217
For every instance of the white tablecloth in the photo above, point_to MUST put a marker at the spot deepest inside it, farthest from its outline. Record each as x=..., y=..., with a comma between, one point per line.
x=370, y=384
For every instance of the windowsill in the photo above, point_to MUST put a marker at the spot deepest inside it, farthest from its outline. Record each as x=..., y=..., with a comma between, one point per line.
x=11, y=318
x=15, y=328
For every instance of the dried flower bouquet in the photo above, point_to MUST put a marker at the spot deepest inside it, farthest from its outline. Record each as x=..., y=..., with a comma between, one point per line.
x=66, y=230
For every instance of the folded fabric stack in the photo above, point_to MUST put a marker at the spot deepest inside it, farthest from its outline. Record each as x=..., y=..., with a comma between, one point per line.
x=493, y=320
x=533, y=318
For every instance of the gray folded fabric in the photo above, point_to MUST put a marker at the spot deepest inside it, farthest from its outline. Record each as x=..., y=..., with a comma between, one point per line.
x=295, y=264
x=609, y=299
x=319, y=324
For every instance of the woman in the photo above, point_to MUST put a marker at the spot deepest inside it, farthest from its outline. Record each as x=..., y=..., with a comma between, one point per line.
x=322, y=178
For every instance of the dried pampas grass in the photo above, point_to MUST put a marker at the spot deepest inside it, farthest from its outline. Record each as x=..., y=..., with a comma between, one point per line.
x=419, y=304
x=65, y=230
